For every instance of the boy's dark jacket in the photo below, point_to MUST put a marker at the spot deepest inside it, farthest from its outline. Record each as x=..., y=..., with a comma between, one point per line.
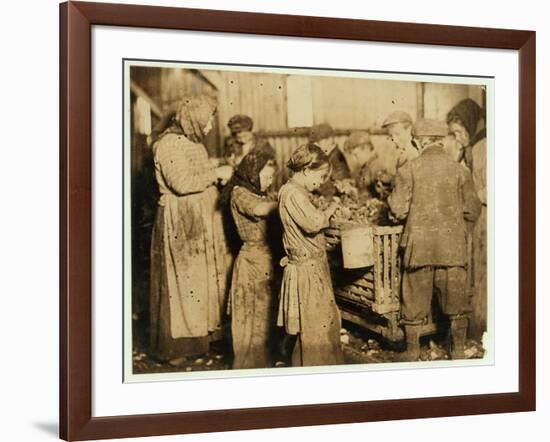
x=436, y=196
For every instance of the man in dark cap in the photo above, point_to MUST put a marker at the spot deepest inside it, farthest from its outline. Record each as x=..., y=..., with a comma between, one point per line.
x=436, y=197
x=323, y=136
x=242, y=140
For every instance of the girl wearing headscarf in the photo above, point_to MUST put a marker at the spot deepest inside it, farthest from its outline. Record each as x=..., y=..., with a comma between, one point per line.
x=190, y=261
x=252, y=296
x=467, y=123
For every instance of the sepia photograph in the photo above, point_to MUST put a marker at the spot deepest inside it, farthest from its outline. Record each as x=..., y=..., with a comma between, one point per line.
x=286, y=217
x=272, y=220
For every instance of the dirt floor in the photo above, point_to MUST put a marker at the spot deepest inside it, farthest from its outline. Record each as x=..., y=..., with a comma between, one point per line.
x=360, y=347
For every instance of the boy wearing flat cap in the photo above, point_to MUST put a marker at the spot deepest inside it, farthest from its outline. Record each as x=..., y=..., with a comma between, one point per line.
x=436, y=197
x=367, y=169
x=359, y=151
x=399, y=127
x=323, y=136
x=242, y=140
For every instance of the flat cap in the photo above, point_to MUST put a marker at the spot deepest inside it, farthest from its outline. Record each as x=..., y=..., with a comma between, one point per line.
x=397, y=117
x=320, y=132
x=430, y=128
x=240, y=123
x=356, y=139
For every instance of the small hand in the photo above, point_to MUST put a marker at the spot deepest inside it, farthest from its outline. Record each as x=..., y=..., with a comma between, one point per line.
x=331, y=209
x=224, y=173
x=215, y=162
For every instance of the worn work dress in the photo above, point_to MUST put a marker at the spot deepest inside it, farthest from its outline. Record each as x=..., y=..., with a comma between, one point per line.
x=252, y=297
x=307, y=307
x=190, y=260
x=478, y=321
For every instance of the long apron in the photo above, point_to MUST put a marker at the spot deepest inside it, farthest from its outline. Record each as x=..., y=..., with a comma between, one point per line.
x=190, y=264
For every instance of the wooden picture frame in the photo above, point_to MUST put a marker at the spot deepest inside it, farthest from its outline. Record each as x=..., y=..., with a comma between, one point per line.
x=76, y=21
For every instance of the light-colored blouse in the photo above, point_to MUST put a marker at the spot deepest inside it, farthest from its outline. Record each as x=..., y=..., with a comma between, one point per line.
x=302, y=222
x=181, y=166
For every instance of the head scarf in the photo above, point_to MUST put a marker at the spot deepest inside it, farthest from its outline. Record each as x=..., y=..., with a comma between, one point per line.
x=247, y=173
x=469, y=113
x=189, y=119
x=193, y=115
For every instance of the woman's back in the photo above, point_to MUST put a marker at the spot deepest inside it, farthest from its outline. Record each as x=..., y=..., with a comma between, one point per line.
x=181, y=166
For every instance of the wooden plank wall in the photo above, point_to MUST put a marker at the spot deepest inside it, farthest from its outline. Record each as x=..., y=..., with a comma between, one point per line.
x=260, y=96
x=286, y=142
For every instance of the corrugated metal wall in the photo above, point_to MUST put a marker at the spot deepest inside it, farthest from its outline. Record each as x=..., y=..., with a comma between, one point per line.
x=285, y=143
x=343, y=102
x=260, y=96
x=359, y=102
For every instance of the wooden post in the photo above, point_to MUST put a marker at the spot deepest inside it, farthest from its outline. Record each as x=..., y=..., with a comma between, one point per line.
x=378, y=289
x=420, y=89
x=394, y=268
x=387, y=282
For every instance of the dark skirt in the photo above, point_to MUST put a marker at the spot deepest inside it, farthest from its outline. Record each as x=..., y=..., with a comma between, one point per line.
x=252, y=307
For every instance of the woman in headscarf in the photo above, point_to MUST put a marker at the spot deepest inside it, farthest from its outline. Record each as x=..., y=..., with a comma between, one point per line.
x=467, y=123
x=253, y=293
x=190, y=261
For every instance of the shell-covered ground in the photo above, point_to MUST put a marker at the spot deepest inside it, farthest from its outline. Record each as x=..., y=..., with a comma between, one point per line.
x=360, y=347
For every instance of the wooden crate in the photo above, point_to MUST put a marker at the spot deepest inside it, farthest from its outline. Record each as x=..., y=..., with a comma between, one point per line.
x=370, y=297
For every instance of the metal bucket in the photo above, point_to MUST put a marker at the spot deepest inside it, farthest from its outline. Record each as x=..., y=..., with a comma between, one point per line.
x=357, y=246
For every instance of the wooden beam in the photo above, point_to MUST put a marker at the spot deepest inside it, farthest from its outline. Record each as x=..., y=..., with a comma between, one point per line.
x=420, y=89
x=155, y=108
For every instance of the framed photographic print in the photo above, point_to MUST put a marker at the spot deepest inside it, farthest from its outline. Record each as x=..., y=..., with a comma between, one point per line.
x=272, y=220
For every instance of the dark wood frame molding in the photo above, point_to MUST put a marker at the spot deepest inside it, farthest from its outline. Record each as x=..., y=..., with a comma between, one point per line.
x=76, y=21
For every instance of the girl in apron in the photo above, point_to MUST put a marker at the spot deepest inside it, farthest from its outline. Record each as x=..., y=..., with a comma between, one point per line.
x=307, y=307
